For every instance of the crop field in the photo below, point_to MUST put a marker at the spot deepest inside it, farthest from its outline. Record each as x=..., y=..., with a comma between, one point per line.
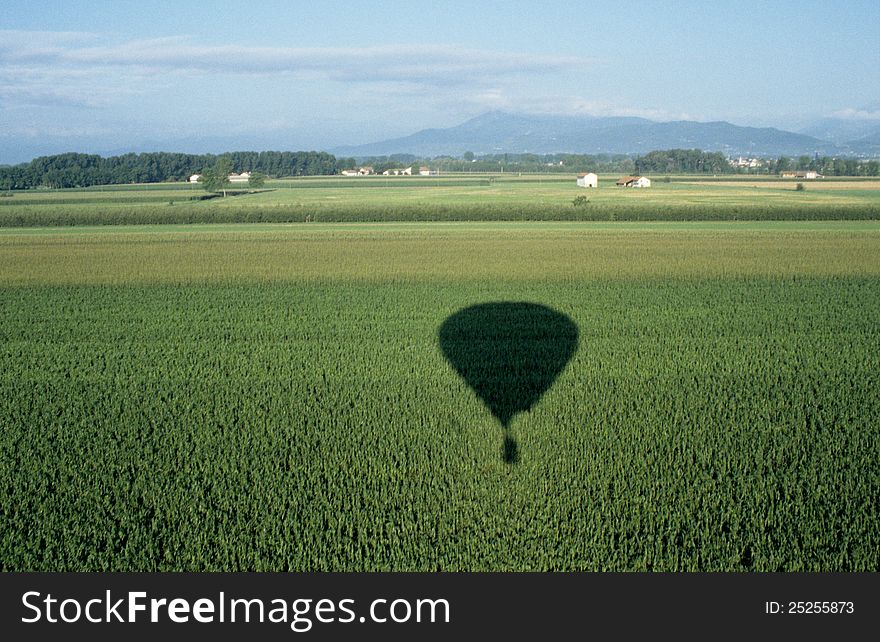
x=442, y=396
x=460, y=197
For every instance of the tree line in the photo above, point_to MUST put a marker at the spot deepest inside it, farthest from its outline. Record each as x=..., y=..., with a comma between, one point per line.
x=694, y=161
x=827, y=165
x=683, y=161
x=672, y=161
x=470, y=163
x=84, y=170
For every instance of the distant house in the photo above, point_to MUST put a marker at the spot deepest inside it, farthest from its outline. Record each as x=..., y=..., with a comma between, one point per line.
x=587, y=180
x=360, y=171
x=424, y=171
x=195, y=178
x=366, y=171
x=244, y=177
x=746, y=163
x=634, y=181
x=808, y=174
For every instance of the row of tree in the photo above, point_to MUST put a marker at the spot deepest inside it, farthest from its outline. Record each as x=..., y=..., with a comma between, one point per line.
x=826, y=165
x=668, y=161
x=526, y=163
x=683, y=161
x=216, y=178
x=694, y=161
x=84, y=170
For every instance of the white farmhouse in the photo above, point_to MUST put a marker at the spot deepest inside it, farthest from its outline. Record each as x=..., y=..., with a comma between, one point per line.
x=398, y=172
x=810, y=174
x=244, y=177
x=392, y=172
x=195, y=178
x=634, y=181
x=360, y=171
x=587, y=180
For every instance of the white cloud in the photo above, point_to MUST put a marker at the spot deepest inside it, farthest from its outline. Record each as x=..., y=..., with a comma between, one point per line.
x=16, y=40
x=857, y=114
x=565, y=105
x=31, y=85
x=576, y=106
x=72, y=83
x=28, y=96
x=432, y=64
x=85, y=70
x=31, y=129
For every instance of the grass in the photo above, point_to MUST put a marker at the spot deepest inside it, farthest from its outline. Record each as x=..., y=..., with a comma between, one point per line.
x=454, y=198
x=436, y=252
x=277, y=398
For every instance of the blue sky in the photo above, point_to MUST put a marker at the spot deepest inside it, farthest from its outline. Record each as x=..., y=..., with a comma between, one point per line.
x=102, y=76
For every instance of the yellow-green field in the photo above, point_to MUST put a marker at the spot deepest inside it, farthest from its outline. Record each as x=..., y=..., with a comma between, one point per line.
x=458, y=197
x=554, y=190
x=401, y=252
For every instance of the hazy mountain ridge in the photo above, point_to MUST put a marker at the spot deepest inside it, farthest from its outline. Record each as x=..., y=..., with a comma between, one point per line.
x=840, y=131
x=500, y=132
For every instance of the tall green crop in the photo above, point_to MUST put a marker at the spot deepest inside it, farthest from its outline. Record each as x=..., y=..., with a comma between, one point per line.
x=702, y=424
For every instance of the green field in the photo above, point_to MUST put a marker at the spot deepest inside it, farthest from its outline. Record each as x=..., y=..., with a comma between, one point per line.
x=280, y=397
x=450, y=198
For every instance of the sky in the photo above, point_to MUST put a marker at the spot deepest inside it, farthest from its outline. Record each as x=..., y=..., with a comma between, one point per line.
x=114, y=76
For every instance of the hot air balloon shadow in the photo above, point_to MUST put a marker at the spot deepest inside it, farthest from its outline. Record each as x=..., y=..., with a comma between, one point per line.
x=509, y=353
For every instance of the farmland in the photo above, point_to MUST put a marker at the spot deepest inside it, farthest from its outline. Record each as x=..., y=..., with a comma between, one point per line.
x=281, y=397
x=460, y=197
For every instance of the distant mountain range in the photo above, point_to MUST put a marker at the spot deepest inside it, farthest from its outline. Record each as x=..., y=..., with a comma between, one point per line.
x=842, y=131
x=499, y=132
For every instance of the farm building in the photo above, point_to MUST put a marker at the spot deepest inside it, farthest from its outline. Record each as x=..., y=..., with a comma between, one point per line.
x=244, y=177
x=808, y=174
x=398, y=172
x=195, y=178
x=361, y=171
x=587, y=180
x=634, y=181
x=748, y=163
